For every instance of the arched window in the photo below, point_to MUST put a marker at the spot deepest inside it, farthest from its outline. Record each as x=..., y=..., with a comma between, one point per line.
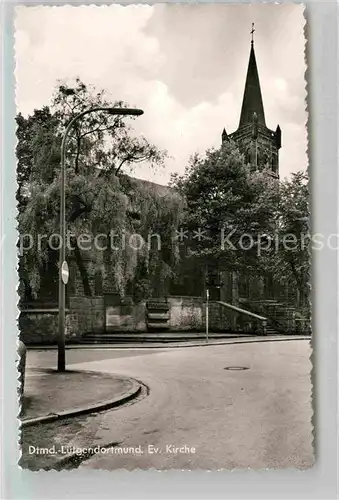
x=98, y=282
x=248, y=156
x=274, y=162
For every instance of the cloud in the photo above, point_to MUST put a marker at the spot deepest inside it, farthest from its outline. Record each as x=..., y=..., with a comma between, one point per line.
x=185, y=65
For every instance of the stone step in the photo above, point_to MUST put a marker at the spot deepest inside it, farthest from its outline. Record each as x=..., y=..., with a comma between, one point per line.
x=158, y=324
x=120, y=337
x=264, y=301
x=158, y=315
x=157, y=305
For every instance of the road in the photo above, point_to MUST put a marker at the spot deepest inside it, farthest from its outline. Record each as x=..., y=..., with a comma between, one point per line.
x=198, y=413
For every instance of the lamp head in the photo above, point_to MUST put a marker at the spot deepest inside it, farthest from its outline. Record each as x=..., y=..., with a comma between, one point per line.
x=125, y=111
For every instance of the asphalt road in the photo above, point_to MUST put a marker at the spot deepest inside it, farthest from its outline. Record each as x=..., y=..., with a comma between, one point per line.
x=47, y=358
x=199, y=414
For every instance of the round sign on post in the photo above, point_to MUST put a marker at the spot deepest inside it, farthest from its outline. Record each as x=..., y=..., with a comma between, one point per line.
x=64, y=272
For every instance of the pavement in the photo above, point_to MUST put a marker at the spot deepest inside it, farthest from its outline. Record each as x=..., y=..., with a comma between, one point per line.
x=51, y=395
x=230, y=406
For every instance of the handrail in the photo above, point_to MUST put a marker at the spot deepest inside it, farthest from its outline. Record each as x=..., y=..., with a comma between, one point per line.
x=239, y=310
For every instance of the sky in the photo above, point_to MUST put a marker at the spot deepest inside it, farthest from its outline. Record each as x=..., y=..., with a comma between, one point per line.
x=184, y=65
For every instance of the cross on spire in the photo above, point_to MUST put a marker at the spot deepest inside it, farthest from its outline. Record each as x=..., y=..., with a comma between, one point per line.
x=252, y=31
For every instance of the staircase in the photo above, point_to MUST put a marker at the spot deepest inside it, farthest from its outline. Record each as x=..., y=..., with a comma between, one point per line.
x=271, y=331
x=281, y=316
x=157, y=314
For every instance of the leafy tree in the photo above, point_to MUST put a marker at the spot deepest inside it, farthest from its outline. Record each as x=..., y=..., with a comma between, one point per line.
x=99, y=196
x=35, y=136
x=266, y=220
x=105, y=141
x=290, y=261
x=224, y=199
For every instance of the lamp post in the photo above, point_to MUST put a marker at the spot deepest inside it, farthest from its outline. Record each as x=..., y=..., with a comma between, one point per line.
x=207, y=313
x=63, y=268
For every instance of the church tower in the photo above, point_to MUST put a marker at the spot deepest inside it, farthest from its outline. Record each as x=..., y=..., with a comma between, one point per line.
x=259, y=144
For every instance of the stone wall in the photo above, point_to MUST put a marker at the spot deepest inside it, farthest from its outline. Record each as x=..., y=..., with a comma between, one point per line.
x=110, y=313
x=225, y=319
x=41, y=326
x=189, y=313
x=86, y=314
x=125, y=316
x=186, y=313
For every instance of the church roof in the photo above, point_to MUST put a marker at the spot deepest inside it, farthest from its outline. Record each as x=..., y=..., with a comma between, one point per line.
x=157, y=189
x=252, y=100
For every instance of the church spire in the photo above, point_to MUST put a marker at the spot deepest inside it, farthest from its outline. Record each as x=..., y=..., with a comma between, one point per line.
x=252, y=101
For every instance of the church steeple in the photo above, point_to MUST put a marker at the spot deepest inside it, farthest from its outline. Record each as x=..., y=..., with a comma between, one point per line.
x=259, y=144
x=252, y=100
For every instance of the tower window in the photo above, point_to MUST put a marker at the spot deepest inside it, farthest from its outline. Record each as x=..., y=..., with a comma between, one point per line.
x=274, y=162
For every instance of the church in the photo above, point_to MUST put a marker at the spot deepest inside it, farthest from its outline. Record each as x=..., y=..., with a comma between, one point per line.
x=236, y=304
x=260, y=146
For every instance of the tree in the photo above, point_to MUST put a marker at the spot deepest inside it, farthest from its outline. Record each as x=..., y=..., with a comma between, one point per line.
x=225, y=204
x=265, y=221
x=99, y=139
x=99, y=196
x=290, y=260
x=41, y=126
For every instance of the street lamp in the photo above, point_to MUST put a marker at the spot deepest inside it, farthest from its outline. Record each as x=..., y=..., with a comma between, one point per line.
x=63, y=267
